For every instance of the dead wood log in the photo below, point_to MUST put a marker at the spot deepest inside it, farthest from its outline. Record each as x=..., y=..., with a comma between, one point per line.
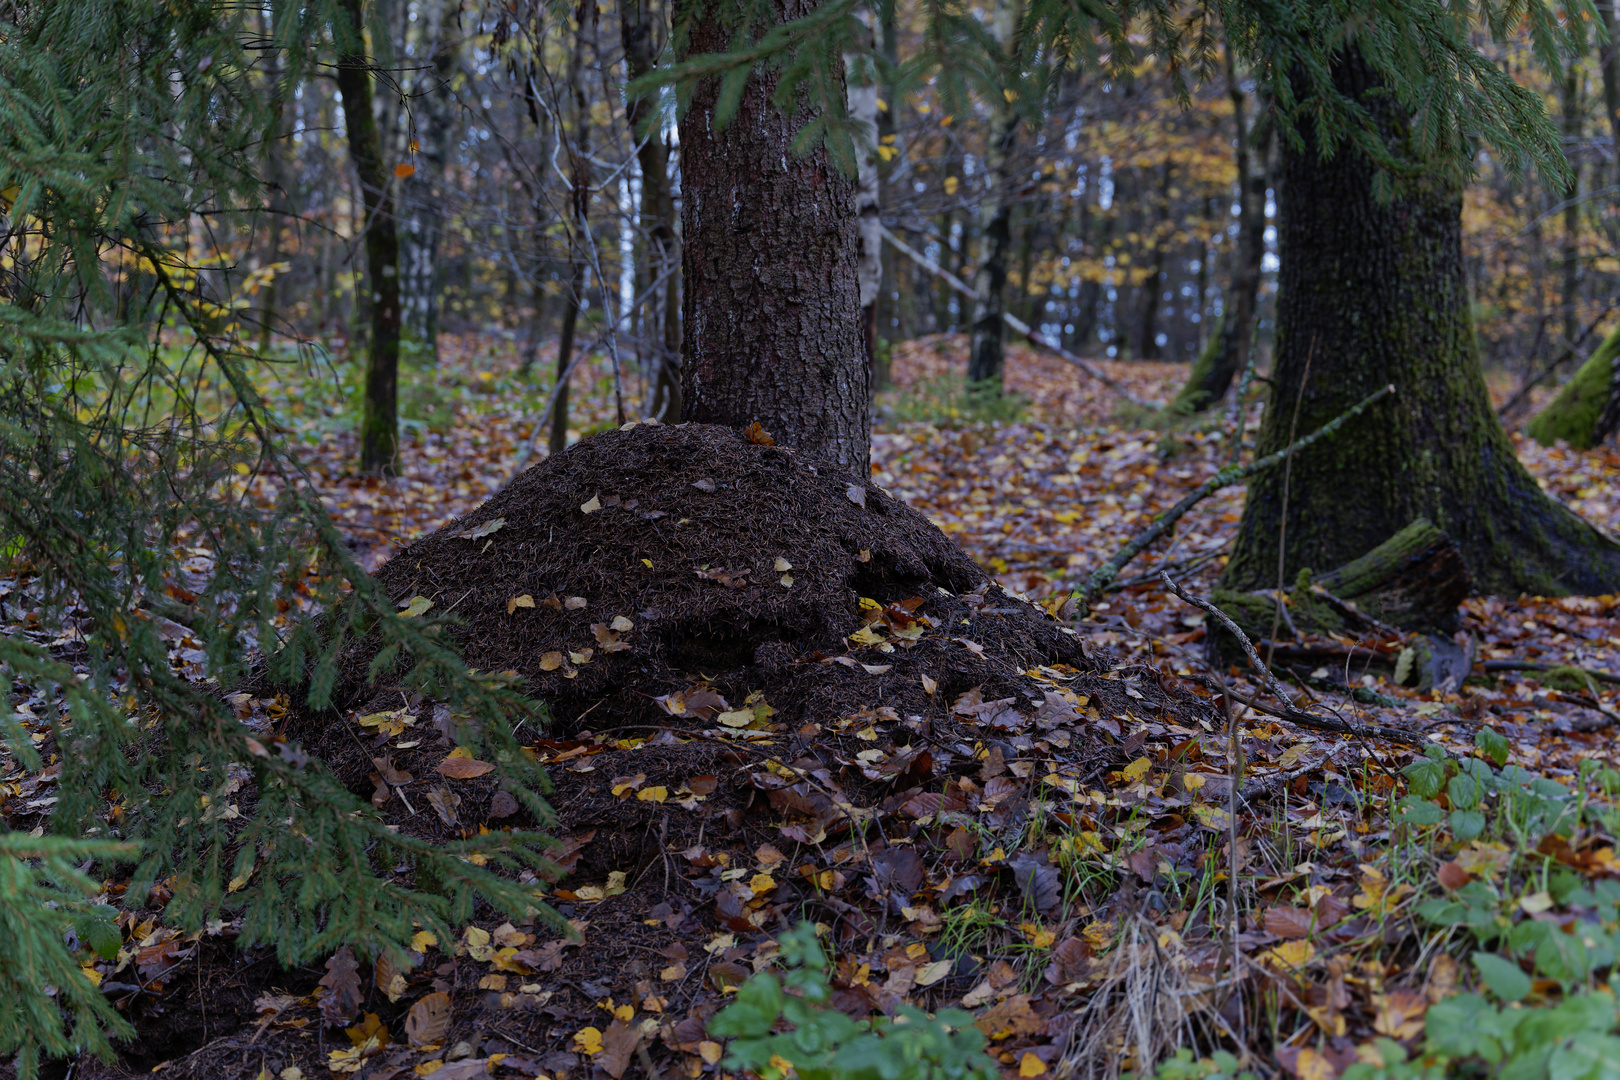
x=1415, y=580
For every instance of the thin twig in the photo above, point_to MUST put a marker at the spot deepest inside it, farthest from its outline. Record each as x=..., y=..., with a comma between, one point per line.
x=1288, y=711
x=1104, y=575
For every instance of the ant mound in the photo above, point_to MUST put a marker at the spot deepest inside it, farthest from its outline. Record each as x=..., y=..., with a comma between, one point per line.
x=682, y=577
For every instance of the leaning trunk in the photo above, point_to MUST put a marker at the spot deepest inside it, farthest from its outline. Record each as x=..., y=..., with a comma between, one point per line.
x=1370, y=293
x=995, y=213
x=379, y=421
x=771, y=303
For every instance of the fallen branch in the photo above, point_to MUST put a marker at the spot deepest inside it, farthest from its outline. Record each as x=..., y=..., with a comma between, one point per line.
x=1288, y=711
x=1018, y=326
x=1104, y=575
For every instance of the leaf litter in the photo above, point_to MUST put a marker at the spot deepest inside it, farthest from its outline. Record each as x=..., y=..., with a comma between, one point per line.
x=1053, y=877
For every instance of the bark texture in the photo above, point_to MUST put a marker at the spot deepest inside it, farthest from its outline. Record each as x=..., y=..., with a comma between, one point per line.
x=1372, y=293
x=770, y=300
x=379, y=420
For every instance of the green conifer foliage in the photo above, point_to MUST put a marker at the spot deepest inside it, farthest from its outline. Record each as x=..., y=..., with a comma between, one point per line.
x=130, y=430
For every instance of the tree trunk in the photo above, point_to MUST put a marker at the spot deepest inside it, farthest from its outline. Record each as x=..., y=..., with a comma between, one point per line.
x=1228, y=352
x=771, y=303
x=862, y=91
x=657, y=214
x=423, y=198
x=1370, y=293
x=1571, y=106
x=1153, y=288
x=989, y=343
x=379, y=421
x=565, y=352
x=276, y=203
x=579, y=203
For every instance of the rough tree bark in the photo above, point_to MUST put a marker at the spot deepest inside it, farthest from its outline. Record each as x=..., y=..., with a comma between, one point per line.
x=1228, y=350
x=989, y=340
x=657, y=212
x=771, y=304
x=1372, y=293
x=379, y=420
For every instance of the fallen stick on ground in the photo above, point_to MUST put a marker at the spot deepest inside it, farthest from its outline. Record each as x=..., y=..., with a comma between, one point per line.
x=1288, y=711
x=1036, y=338
x=1105, y=574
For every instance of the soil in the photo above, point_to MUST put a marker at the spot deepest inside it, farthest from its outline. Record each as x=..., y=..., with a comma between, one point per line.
x=739, y=576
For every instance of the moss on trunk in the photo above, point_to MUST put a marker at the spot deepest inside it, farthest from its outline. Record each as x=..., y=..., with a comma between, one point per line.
x=1371, y=292
x=1576, y=414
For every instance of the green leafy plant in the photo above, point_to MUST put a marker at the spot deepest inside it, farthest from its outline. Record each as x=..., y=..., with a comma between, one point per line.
x=1183, y=1066
x=825, y=1044
x=1527, y=806
x=1468, y=1036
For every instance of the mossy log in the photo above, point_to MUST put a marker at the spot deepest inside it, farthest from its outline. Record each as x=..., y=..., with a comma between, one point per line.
x=1415, y=580
x=1586, y=409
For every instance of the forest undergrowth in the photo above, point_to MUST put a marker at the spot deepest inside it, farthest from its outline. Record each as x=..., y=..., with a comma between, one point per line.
x=1230, y=893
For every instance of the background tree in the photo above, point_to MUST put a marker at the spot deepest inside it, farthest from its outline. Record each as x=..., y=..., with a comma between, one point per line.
x=379, y=422
x=1372, y=292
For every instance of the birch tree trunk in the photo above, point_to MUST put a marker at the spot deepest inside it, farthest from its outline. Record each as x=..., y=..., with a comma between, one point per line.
x=379, y=420
x=863, y=109
x=995, y=209
x=657, y=214
x=770, y=299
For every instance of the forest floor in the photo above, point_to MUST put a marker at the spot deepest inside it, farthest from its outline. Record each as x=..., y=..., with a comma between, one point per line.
x=1081, y=908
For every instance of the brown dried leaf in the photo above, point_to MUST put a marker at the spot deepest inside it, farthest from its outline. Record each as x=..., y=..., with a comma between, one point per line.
x=444, y=803
x=1453, y=876
x=1288, y=923
x=619, y=1041
x=396, y=777
x=341, y=1001
x=463, y=768
x=428, y=1020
